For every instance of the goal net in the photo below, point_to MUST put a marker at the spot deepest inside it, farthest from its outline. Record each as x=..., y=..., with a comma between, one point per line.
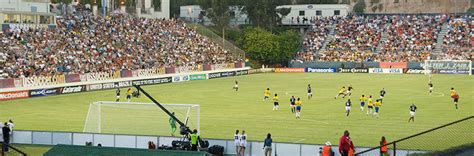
x=138, y=118
x=448, y=67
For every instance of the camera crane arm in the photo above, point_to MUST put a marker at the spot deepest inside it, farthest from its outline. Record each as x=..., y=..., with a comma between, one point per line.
x=188, y=131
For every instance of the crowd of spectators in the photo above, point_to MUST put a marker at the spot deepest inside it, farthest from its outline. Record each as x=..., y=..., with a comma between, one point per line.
x=315, y=37
x=356, y=38
x=459, y=39
x=83, y=43
x=408, y=38
x=411, y=37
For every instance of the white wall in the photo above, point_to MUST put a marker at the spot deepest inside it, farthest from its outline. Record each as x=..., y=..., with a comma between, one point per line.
x=163, y=13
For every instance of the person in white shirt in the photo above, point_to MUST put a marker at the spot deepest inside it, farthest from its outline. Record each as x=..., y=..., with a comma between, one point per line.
x=237, y=142
x=243, y=142
x=10, y=125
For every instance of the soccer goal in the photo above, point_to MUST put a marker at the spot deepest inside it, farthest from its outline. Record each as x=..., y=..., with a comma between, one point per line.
x=138, y=118
x=448, y=66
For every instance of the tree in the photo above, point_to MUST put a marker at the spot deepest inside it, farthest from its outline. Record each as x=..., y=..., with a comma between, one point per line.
x=359, y=7
x=219, y=11
x=269, y=48
x=263, y=13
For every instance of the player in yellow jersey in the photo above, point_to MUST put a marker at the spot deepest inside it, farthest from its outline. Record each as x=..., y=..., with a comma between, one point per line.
x=378, y=104
x=275, y=102
x=342, y=91
x=129, y=94
x=370, y=105
x=455, y=97
x=266, y=94
x=362, y=99
x=298, y=108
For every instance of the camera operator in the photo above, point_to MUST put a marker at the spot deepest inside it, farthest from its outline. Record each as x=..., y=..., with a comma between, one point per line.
x=194, y=140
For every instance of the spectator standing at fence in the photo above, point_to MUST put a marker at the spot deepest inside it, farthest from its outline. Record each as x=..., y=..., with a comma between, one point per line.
x=10, y=125
x=383, y=147
x=243, y=143
x=345, y=144
x=267, y=145
x=6, y=136
x=237, y=142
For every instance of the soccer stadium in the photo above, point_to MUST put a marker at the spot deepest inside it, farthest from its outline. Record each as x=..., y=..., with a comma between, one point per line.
x=237, y=77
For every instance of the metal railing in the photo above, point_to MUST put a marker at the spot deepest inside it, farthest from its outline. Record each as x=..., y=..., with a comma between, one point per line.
x=440, y=138
x=12, y=150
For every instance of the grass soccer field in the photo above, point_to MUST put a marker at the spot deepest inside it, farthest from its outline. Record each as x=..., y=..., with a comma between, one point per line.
x=224, y=110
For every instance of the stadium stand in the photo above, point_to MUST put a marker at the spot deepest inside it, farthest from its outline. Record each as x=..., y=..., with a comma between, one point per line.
x=407, y=38
x=83, y=43
x=459, y=40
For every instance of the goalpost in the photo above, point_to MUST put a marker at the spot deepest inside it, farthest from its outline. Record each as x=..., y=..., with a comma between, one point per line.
x=448, y=67
x=138, y=118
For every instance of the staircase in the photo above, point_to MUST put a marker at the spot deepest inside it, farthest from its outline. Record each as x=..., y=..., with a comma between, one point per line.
x=383, y=38
x=439, y=40
x=328, y=39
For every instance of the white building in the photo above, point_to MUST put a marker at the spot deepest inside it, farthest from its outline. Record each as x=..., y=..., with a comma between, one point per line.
x=314, y=10
x=192, y=12
x=145, y=9
x=26, y=14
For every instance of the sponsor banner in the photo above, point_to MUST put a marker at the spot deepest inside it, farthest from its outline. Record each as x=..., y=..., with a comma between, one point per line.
x=43, y=80
x=393, y=64
x=152, y=81
x=148, y=72
x=223, y=66
x=453, y=71
x=197, y=77
x=188, y=69
x=44, y=92
x=111, y=85
x=99, y=76
x=227, y=74
x=73, y=78
x=169, y=70
x=414, y=71
x=13, y=95
x=261, y=70
x=207, y=67
x=126, y=73
x=73, y=89
x=289, y=70
x=321, y=70
x=214, y=75
x=386, y=70
x=242, y=72
x=353, y=70
x=446, y=65
x=180, y=78
x=7, y=83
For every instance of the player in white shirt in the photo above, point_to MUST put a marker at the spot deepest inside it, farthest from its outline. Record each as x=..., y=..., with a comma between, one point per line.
x=243, y=142
x=237, y=142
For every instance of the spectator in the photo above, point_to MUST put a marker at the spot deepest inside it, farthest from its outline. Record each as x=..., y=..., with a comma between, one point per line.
x=383, y=147
x=6, y=136
x=267, y=145
x=345, y=144
x=10, y=125
x=151, y=145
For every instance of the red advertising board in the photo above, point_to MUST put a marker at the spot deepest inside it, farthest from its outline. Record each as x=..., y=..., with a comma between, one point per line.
x=13, y=95
x=393, y=64
x=289, y=70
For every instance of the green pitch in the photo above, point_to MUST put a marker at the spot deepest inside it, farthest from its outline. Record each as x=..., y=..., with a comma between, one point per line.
x=224, y=110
